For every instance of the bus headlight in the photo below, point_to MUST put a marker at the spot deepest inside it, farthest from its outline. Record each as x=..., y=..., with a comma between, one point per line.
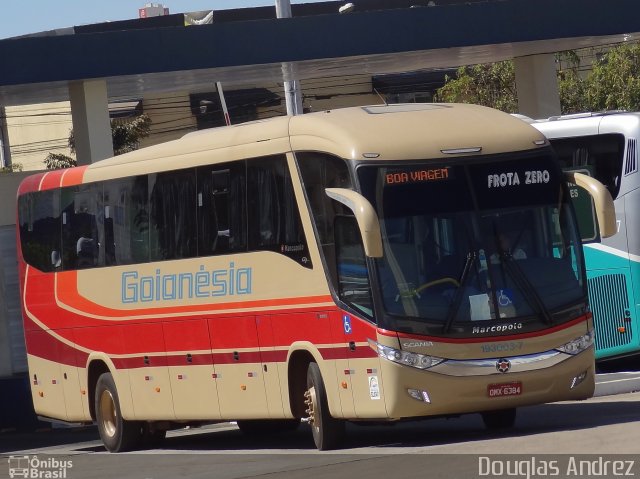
x=578, y=345
x=406, y=358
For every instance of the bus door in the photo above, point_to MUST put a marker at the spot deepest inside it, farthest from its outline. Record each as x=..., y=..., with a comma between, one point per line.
x=238, y=367
x=191, y=369
x=360, y=367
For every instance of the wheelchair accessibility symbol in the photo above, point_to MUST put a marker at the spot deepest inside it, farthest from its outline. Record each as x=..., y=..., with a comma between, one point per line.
x=504, y=298
x=346, y=323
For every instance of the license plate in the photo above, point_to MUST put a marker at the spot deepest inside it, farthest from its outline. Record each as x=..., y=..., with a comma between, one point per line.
x=504, y=389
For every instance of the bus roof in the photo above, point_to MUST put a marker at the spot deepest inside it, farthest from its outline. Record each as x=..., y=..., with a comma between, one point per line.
x=588, y=124
x=383, y=132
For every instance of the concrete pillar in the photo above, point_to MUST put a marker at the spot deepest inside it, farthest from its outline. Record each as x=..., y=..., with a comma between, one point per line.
x=537, y=86
x=91, y=124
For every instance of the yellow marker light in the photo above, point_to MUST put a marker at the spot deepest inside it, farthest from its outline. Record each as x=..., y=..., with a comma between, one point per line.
x=157, y=390
x=243, y=387
x=343, y=384
x=622, y=329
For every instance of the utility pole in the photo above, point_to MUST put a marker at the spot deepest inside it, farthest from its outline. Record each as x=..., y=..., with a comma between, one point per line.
x=291, y=85
x=5, y=151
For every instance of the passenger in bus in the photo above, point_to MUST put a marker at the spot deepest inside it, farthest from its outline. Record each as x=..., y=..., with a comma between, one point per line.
x=505, y=244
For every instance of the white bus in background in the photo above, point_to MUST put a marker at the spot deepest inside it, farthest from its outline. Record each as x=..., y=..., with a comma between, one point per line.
x=606, y=146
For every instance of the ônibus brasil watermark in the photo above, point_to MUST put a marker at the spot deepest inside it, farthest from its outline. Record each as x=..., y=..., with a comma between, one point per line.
x=32, y=467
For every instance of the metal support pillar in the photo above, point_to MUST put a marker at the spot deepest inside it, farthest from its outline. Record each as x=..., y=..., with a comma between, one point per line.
x=291, y=85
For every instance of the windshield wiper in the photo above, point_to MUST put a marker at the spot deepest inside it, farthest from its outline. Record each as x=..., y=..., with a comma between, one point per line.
x=457, y=298
x=523, y=283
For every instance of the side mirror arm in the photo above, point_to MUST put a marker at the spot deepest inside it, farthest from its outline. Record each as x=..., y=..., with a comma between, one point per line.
x=366, y=218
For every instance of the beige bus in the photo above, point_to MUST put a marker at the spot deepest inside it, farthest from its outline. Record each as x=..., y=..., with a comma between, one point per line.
x=375, y=263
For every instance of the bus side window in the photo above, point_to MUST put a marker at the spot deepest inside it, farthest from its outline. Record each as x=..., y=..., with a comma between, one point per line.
x=126, y=221
x=173, y=222
x=353, y=276
x=40, y=229
x=222, y=210
x=274, y=218
x=320, y=171
x=80, y=235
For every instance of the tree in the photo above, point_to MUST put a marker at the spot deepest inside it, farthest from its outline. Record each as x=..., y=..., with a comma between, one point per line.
x=490, y=84
x=612, y=84
x=11, y=168
x=56, y=161
x=126, y=136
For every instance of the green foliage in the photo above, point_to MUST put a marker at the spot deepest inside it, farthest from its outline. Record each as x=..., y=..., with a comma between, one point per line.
x=491, y=84
x=11, y=168
x=126, y=136
x=571, y=87
x=612, y=84
x=56, y=161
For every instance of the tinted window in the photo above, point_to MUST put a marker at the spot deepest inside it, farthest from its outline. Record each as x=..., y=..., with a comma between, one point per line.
x=320, y=171
x=274, y=220
x=80, y=237
x=40, y=229
x=222, y=211
x=173, y=225
x=600, y=155
x=126, y=221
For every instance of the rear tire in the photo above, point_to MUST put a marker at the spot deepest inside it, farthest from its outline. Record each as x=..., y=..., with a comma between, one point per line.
x=328, y=432
x=117, y=434
x=499, y=420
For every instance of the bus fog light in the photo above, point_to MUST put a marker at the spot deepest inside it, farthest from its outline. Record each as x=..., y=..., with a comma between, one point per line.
x=418, y=395
x=578, y=379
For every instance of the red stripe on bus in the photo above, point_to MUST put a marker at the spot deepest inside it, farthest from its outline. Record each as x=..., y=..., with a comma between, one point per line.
x=51, y=180
x=484, y=339
x=74, y=176
x=44, y=345
x=30, y=184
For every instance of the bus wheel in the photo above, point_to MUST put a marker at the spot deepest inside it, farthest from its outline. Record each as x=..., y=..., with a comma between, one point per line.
x=501, y=419
x=328, y=432
x=116, y=433
x=258, y=427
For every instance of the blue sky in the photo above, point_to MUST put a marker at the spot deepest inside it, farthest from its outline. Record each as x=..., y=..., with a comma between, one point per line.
x=19, y=17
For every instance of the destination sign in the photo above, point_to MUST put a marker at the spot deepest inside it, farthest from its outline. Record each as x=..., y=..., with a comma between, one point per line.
x=425, y=175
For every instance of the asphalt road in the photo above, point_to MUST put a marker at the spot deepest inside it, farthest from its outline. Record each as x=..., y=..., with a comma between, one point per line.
x=564, y=436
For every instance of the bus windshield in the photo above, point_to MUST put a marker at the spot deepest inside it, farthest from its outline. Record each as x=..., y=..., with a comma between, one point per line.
x=470, y=245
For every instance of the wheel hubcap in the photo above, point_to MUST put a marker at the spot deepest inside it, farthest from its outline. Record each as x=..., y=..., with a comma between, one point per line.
x=108, y=416
x=310, y=402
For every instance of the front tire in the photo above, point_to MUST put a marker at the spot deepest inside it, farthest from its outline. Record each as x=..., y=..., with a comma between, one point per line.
x=499, y=420
x=328, y=432
x=117, y=434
